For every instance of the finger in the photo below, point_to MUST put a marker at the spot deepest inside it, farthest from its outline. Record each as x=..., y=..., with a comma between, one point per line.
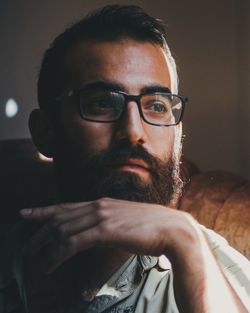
x=77, y=213
x=60, y=228
x=79, y=224
x=74, y=245
x=44, y=213
x=40, y=239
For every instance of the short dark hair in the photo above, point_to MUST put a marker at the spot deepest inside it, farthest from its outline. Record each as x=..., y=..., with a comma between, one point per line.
x=110, y=23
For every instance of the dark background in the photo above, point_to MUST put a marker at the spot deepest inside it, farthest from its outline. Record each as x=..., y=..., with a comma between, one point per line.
x=211, y=44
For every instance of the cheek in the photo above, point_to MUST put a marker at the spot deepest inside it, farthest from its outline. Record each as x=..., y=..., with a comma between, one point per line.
x=96, y=135
x=86, y=135
x=161, y=141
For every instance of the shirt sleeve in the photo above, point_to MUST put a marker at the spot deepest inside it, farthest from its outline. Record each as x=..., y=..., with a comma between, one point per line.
x=234, y=265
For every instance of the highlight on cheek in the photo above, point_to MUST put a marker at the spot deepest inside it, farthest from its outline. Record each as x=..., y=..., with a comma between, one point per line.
x=97, y=133
x=165, y=146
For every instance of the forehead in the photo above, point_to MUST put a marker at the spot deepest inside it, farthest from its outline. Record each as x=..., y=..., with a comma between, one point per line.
x=130, y=63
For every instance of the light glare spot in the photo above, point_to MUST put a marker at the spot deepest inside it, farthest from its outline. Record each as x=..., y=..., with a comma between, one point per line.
x=11, y=108
x=44, y=158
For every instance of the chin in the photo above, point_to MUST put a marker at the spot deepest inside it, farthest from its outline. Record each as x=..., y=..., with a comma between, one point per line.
x=128, y=186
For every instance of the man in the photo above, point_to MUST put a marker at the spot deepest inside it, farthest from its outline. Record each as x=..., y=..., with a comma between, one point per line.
x=110, y=118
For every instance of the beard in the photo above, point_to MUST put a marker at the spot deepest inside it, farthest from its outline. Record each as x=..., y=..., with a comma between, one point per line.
x=82, y=176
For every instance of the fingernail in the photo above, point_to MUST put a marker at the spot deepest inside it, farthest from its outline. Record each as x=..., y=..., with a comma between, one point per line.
x=26, y=212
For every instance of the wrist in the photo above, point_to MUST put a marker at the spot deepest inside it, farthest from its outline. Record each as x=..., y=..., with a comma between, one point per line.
x=185, y=240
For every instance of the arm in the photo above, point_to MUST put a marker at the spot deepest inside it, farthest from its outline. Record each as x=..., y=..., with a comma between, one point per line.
x=204, y=288
x=141, y=229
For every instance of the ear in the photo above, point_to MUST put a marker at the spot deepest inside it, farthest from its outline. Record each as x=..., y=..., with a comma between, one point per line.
x=42, y=132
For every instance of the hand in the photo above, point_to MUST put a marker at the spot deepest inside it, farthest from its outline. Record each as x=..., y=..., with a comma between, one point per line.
x=146, y=229
x=139, y=228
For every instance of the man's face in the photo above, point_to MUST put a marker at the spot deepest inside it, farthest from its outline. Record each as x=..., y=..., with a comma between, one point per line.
x=128, y=153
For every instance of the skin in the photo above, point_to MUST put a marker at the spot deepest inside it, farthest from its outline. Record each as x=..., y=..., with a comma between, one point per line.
x=118, y=228
x=132, y=68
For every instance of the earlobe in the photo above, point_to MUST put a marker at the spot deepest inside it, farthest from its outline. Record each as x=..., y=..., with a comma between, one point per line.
x=42, y=132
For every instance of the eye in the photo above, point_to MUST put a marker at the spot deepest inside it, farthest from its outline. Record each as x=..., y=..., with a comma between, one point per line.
x=159, y=107
x=155, y=106
x=103, y=105
x=105, y=102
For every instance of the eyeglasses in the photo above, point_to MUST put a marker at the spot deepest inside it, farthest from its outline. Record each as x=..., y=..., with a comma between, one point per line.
x=107, y=106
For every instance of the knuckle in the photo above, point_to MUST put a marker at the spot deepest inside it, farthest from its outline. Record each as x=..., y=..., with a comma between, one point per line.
x=102, y=208
x=98, y=204
x=101, y=214
x=102, y=202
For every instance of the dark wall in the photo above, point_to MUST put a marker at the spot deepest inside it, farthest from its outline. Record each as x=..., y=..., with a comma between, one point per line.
x=210, y=40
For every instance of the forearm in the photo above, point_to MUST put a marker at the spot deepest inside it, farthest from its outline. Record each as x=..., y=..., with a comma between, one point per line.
x=200, y=285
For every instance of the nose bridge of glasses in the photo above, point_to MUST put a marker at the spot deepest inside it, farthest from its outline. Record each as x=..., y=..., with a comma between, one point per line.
x=132, y=109
x=136, y=99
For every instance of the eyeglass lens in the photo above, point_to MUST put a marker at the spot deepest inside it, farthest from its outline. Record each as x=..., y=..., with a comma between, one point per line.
x=157, y=108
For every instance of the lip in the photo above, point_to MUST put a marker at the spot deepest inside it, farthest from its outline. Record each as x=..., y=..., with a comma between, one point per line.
x=133, y=165
x=137, y=163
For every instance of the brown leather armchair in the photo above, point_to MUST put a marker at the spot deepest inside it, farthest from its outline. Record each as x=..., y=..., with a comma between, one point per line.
x=218, y=200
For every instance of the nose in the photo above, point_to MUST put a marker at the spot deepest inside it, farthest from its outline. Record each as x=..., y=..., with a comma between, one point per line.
x=130, y=127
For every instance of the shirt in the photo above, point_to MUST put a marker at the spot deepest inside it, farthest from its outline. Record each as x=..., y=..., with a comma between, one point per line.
x=143, y=284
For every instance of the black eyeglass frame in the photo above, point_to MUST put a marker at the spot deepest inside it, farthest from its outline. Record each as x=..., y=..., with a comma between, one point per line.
x=135, y=98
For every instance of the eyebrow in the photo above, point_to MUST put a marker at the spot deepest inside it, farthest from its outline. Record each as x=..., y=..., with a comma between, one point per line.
x=113, y=86
x=156, y=88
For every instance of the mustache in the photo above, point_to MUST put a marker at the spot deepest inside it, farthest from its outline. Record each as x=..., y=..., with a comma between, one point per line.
x=121, y=154
x=87, y=175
